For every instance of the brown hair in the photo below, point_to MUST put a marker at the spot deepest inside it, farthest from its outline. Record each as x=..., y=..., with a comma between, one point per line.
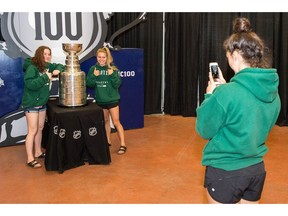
x=110, y=63
x=248, y=43
x=38, y=58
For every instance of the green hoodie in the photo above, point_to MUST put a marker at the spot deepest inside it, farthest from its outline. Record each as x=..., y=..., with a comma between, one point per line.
x=237, y=117
x=36, y=85
x=106, y=86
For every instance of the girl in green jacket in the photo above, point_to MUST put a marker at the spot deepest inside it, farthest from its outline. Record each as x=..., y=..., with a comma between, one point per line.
x=236, y=118
x=104, y=78
x=38, y=74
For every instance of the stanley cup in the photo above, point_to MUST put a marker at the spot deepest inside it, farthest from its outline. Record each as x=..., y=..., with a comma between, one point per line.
x=72, y=90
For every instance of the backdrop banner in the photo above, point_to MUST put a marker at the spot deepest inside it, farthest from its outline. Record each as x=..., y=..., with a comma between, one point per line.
x=13, y=127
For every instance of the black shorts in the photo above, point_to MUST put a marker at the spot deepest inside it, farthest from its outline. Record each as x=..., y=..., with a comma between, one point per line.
x=108, y=106
x=232, y=186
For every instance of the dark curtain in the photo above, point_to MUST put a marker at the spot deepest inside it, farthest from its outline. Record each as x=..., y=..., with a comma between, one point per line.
x=195, y=39
x=181, y=63
x=146, y=35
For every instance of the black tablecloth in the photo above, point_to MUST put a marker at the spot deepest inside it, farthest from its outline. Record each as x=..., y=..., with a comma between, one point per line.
x=73, y=135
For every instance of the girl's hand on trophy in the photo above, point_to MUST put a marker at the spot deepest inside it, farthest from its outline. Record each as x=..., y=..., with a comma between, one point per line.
x=96, y=72
x=56, y=72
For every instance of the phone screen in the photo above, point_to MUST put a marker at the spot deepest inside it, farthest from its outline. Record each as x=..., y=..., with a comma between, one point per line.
x=214, y=71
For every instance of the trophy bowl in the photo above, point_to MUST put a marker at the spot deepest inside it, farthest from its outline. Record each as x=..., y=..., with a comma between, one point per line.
x=72, y=48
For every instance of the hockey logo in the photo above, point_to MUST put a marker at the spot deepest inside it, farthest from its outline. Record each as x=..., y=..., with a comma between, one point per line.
x=62, y=133
x=93, y=131
x=55, y=129
x=77, y=134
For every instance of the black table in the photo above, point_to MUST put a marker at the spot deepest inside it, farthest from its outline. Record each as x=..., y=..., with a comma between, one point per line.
x=73, y=136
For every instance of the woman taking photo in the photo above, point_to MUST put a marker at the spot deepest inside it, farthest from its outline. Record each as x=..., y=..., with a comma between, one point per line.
x=236, y=118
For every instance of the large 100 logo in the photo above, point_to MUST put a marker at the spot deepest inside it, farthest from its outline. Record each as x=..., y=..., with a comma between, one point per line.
x=25, y=32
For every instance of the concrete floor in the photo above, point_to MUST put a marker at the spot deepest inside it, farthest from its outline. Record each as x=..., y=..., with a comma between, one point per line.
x=161, y=166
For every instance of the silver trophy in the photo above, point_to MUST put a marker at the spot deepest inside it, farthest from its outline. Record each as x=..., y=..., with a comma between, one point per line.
x=72, y=86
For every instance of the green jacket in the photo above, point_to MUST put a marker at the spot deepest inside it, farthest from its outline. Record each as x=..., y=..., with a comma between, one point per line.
x=36, y=85
x=106, y=86
x=237, y=117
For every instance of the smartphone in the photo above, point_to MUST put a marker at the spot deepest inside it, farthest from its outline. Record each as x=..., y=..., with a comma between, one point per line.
x=213, y=67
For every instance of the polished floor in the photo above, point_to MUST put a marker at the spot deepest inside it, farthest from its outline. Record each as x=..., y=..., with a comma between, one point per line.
x=161, y=166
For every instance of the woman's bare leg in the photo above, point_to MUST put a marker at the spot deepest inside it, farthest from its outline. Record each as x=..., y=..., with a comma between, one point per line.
x=107, y=125
x=32, y=125
x=38, y=137
x=114, y=112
